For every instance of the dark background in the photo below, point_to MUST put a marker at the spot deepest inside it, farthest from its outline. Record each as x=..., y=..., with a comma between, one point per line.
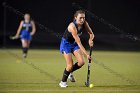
x=55, y=15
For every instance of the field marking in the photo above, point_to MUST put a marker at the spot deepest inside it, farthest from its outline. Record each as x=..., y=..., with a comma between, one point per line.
x=70, y=90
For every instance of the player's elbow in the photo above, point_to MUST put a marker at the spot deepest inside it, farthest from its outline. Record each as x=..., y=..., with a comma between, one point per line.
x=93, y=35
x=34, y=30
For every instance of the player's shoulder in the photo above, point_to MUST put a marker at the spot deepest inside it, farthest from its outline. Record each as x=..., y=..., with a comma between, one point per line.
x=32, y=21
x=85, y=23
x=71, y=25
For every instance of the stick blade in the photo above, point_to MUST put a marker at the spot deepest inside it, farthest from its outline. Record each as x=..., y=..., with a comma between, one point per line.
x=87, y=84
x=13, y=37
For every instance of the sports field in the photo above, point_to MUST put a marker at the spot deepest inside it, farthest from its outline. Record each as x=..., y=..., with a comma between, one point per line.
x=111, y=72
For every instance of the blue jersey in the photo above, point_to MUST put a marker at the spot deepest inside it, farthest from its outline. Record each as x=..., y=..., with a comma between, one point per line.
x=27, y=26
x=68, y=36
x=25, y=31
x=68, y=44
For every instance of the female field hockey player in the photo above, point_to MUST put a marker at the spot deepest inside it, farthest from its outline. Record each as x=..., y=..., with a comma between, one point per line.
x=25, y=31
x=71, y=44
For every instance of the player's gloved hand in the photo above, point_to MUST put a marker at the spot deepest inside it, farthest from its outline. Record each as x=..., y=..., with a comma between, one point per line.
x=90, y=43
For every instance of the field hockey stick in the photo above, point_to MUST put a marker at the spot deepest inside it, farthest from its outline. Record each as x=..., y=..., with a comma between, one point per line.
x=87, y=83
x=13, y=37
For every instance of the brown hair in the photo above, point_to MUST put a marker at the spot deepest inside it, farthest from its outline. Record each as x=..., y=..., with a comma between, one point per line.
x=79, y=12
x=27, y=14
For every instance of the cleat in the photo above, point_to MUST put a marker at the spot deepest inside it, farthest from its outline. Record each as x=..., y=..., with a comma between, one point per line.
x=63, y=84
x=71, y=78
x=24, y=55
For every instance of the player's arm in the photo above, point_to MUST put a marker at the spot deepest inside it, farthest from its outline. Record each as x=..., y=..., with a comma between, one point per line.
x=19, y=29
x=33, y=28
x=91, y=35
x=73, y=30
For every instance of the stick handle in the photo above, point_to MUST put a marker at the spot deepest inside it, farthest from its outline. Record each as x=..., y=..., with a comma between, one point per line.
x=90, y=53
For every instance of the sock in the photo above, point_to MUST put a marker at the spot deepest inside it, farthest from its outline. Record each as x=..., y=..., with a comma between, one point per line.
x=75, y=67
x=65, y=76
x=25, y=50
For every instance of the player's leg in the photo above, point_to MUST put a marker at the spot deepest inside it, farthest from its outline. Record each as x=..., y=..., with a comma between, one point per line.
x=25, y=39
x=28, y=43
x=68, y=69
x=24, y=47
x=80, y=58
x=29, y=39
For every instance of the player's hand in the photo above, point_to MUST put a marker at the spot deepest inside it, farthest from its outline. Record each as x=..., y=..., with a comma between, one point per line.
x=32, y=33
x=90, y=43
x=16, y=36
x=89, y=57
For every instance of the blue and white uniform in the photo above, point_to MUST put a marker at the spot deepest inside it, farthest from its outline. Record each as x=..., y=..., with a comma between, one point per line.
x=68, y=44
x=25, y=31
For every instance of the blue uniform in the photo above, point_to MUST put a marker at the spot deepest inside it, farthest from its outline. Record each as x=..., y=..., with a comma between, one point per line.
x=25, y=31
x=68, y=44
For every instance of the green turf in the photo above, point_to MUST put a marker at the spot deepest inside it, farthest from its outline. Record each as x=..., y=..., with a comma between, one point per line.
x=41, y=72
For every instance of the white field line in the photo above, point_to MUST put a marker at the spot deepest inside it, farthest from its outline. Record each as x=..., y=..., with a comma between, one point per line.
x=71, y=90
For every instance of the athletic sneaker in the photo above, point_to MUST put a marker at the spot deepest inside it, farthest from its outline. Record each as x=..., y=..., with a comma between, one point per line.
x=71, y=78
x=24, y=55
x=63, y=84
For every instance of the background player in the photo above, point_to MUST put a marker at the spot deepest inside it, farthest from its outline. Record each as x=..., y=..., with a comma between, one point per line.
x=71, y=44
x=25, y=31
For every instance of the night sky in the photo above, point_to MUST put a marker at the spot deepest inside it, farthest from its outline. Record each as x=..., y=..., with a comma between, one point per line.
x=55, y=15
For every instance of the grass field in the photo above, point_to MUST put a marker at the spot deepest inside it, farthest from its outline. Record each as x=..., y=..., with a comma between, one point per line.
x=41, y=72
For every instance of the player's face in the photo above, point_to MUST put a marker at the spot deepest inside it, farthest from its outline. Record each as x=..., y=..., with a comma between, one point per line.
x=27, y=17
x=80, y=19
